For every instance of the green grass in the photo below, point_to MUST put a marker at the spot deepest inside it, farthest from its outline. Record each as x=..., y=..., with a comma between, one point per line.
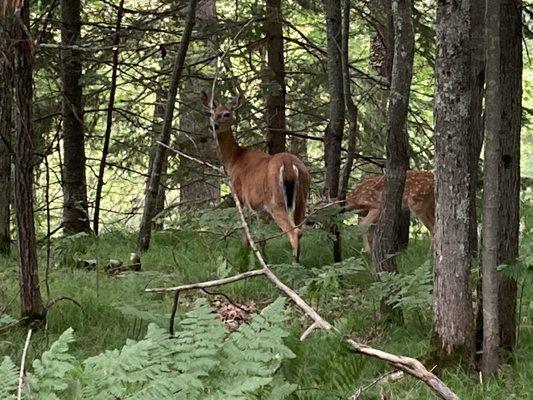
x=116, y=308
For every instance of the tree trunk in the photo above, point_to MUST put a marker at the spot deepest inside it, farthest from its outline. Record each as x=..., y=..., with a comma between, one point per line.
x=491, y=334
x=453, y=340
x=30, y=297
x=351, y=108
x=275, y=103
x=477, y=73
x=386, y=241
x=158, y=115
x=381, y=59
x=511, y=97
x=334, y=130
x=75, y=216
x=160, y=155
x=6, y=125
x=196, y=182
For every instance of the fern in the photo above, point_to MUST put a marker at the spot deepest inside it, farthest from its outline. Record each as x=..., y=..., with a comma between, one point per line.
x=47, y=379
x=202, y=361
x=8, y=379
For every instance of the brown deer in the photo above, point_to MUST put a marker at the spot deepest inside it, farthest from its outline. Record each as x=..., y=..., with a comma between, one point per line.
x=418, y=195
x=277, y=184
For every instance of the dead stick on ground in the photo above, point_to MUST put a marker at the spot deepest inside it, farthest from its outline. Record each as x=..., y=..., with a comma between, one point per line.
x=22, y=365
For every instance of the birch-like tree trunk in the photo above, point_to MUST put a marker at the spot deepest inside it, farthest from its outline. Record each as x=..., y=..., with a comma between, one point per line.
x=75, y=216
x=453, y=333
x=386, y=240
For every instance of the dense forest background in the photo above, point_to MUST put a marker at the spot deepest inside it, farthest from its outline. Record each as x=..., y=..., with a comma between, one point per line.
x=100, y=72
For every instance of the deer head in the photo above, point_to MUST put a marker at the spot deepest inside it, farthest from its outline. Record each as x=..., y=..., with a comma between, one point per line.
x=221, y=117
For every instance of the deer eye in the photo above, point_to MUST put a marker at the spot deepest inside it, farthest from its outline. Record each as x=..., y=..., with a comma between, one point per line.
x=226, y=115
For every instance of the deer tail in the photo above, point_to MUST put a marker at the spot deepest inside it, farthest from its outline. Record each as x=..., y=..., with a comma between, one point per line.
x=288, y=179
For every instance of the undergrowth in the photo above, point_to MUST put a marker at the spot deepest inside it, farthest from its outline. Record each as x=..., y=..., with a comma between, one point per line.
x=116, y=313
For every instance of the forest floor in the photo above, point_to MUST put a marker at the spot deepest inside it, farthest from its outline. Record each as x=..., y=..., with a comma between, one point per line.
x=115, y=308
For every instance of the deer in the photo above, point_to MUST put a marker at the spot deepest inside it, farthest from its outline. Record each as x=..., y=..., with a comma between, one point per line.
x=418, y=196
x=275, y=185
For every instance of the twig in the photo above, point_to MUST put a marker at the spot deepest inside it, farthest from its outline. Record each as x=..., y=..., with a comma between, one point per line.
x=208, y=284
x=226, y=297
x=53, y=302
x=22, y=365
x=188, y=157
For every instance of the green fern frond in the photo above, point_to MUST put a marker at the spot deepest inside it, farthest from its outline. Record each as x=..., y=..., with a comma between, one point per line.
x=8, y=379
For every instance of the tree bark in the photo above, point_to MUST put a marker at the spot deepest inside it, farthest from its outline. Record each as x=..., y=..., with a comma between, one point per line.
x=491, y=334
x=351, y=108
x=509, y=204
x=334, y=130
x=386, y=242
x=381, y=59
x=275, y=103
x=75, y=215
x=453, y=340
x=109, y=119
x=158, y=115
x=197, y=183
x=32, y=306
x=477, y=73
x=6, y=125
x=160, y=155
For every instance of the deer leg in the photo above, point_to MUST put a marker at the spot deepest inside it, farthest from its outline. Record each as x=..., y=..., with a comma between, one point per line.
x=368, y=222
x=426, y=215
x=299, y=216
x=284, y=222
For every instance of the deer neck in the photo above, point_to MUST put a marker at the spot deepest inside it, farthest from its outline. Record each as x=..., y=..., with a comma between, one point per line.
x=228, y=147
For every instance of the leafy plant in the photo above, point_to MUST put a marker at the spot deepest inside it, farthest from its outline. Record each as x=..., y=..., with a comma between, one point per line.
x=408, y=291
x=202, y=361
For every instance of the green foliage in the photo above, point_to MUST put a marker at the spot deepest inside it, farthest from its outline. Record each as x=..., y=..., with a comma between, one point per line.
x=8, y=379
x=408, y=291
x=202, y=361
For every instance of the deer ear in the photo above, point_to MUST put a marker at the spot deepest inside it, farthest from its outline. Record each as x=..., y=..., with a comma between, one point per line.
x=206, y=101
x=235, y=102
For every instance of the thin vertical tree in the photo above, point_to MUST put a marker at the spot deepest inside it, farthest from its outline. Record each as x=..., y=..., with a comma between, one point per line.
x=334, y=130
x=109, y=119
x=24, y=156
x=158, y=114
x=386, y=241
x=509, y=172
x=6, y=125
x=453, y=339
x=152, y=186
x=275, y=82
x=75, y=215
x=351, y=107
x=491, y=335
x=381, y=60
